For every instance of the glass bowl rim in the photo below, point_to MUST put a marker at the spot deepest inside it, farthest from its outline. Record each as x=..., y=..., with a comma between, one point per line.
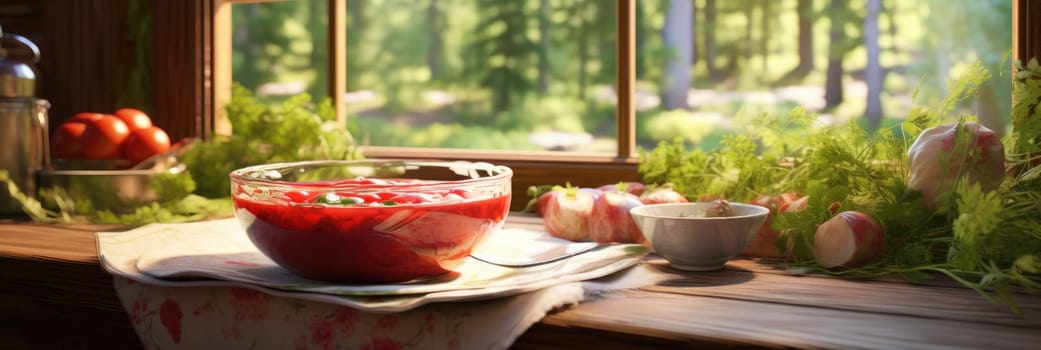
x=498, y=173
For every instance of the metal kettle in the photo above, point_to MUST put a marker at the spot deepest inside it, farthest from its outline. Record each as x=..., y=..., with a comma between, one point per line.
x=23, y=121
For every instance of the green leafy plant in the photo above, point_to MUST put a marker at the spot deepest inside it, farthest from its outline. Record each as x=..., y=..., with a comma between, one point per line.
x=30, y=205
x=295, y=130
x=989, y=241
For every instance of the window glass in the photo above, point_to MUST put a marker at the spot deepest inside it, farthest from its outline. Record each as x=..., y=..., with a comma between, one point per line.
x=540, y=74
x=702, y=64
x=280, y=48
x=482, y=74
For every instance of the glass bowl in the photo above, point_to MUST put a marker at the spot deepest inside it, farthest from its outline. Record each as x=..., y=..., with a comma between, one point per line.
x=370, y=221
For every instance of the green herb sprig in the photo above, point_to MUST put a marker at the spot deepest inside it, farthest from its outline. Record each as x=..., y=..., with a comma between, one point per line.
x=989, y=241
x=294, y=130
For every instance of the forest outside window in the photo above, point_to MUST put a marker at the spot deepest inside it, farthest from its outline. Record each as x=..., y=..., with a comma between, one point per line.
x=539, y=75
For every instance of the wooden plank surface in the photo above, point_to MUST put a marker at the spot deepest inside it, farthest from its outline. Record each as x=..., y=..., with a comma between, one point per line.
x=711, y=319
x=52, y=281
x=851, y=295
x=756, y=302
x=72, y=243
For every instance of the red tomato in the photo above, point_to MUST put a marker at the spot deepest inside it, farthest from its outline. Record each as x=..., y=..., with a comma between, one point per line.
x=65, y=141
x=134, y=118
x=145, y=142
x=85, y=117
x=103, y=138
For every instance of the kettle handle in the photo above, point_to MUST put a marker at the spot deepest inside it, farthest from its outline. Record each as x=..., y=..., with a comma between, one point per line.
x=25, y=42
x=40, y=119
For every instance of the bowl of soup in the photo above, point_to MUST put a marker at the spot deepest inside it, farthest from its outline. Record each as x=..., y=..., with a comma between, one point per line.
x=370, y=221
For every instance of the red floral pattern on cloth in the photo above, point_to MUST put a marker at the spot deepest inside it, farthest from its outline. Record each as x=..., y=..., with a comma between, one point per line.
x=138, y=310
x=233, y=317
x=170, y=315
x=382, y=344
x=250, y=304
x=227, y=317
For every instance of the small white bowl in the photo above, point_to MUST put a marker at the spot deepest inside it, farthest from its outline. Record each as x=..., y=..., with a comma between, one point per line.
x=692, y=242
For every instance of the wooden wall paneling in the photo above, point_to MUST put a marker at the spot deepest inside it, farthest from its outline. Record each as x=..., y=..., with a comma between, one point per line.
x=182, y=61
x=82, y=49
x=22, y=17
x=1026, y=29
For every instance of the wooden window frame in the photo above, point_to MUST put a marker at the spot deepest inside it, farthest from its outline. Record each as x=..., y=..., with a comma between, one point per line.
x=210, y=44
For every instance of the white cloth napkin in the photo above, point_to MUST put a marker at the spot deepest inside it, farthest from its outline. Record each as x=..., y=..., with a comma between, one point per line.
x=230, y=308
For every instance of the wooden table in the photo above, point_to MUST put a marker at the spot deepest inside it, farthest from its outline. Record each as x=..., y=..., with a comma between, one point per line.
x=749, y=304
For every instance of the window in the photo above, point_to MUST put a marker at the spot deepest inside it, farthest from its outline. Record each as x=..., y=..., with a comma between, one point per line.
x=868, y=61
x=280, y=49
x=536, y=167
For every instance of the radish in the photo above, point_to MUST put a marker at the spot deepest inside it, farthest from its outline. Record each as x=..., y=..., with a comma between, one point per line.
x=542, y=201
x=633, y=187
x=567, y=212
x=764, y=243
x=540, y=196
x=850, y=238
x=937, y=160
x=610, y=220
x=793, y=206
x=664, y=194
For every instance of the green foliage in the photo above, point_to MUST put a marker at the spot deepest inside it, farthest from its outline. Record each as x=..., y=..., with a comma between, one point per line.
x=980, y=214
x=988, y=241
x=733, y=171
x=175, y=205
x=579, y=44
x=31, y=206
x=294, y=130
x=169, y=186
x=547, y=113
x=501, y=51
x=847, y=21
x=278, y=42
x=440, y=135
x=1026, y=112
x=678, y=124
x=744, y=166
x=186, y=209
x=965, y=32
x=401, y=81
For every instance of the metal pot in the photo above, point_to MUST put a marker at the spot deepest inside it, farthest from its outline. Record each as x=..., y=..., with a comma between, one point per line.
x=23, y=122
